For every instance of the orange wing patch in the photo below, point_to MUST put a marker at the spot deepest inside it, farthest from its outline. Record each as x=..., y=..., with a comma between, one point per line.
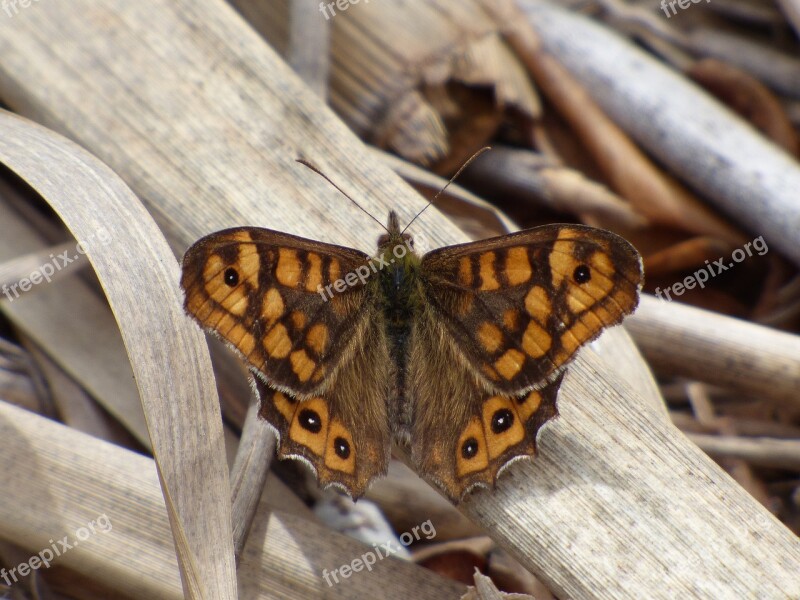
x=505, y=428
x=490, y=337
x=310, y=426
x=277, y=342
x=536, y=341
x=510, y=363
x=487, y=272
x=502, y=426
x=471, y=450
x=314, y=275
x=302, y=365
x=518, y=265
x=289, y=268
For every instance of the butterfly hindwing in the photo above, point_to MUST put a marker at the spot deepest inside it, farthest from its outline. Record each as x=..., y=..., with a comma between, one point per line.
x=344, y=433
x=462, y=435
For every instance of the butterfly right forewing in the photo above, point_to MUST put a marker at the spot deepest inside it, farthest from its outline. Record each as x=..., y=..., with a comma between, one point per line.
x=521, y=305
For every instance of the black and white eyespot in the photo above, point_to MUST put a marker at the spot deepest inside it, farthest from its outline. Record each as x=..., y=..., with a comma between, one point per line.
x=502, y=420
x=342, y=448
x=469, y=449
x=582, y=274
x=310, y=421
x=231, y=277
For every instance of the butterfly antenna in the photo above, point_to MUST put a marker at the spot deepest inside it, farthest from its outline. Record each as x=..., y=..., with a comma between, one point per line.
x=452, y=179
x=304, y=162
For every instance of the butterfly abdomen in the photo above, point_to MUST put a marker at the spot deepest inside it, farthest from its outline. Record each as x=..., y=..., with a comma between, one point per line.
x=400, y=300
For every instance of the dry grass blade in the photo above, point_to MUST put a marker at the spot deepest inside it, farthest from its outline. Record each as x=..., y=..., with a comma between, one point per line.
x=249, y=474
x=767, y=452
x=308, y=44
x=175, y=395
x=533, y=180
x=99, y=362
x=58, y=480
x=16, y=269
x=654, y=194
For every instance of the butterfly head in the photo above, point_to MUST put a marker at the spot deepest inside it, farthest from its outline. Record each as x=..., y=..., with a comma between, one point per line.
x=394, y=236
x=396, y=254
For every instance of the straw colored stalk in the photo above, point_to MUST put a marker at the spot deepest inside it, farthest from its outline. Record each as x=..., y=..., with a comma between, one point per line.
x=629, y=171
x=748, y=178
x=698, y=344
x=40, y=317
x=204, y=121
x=65, y=479
x=791, y=9
x=434, y=90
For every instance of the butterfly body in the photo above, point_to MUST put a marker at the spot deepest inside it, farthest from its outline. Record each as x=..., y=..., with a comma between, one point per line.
x=458, y=354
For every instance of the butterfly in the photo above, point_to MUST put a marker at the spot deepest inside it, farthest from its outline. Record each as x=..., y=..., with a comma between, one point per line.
x=456, y=355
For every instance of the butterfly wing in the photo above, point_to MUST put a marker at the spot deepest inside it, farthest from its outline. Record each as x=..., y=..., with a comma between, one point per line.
x=259, y=291
x=264, y=293
x=502, y=318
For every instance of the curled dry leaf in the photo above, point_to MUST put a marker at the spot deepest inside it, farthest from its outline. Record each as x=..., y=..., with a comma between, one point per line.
x=434, y=91
x=485, y=590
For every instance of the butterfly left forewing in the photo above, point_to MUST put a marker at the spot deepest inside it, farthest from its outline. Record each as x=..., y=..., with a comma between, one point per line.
x=501, y=319
x=259, y=290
